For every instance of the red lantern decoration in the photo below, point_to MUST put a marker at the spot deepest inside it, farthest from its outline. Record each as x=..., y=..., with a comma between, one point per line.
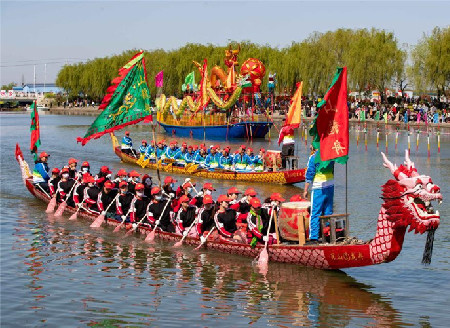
x=256, y=69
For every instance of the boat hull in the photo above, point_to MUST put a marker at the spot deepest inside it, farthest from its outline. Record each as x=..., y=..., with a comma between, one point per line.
x=320, y=256
x=221, y=132
x=280, y=177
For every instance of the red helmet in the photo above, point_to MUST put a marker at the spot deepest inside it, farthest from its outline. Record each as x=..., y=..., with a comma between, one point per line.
x=72, y=160
x=86, y=163
x=55, y=170
x=127, y=133
x=123, y=184
x=250, y=192
x=169, y=179
x=223, y=198
x=208, y=186
x=105, y=169
x=44, y=154
x=144, y=141
x=108, y=185
x=88, y=178
x=133, y=173
x=122, y=172
x=156, y=190
x=233, y=190
x=207, y=199
x=139, y=186
x=184, y=199
x=277, y=196
x=255, y=202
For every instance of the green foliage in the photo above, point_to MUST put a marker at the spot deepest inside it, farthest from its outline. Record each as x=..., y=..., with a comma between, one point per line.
x=430, y=69
x=372, y=56
x=8, y=86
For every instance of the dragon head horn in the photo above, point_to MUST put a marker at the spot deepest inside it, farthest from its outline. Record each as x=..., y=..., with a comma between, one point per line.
x=409, y=164
x=397, y=172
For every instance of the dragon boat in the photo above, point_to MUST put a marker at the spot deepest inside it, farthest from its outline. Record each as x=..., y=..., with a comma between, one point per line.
x=280, y=177
x=407, y=203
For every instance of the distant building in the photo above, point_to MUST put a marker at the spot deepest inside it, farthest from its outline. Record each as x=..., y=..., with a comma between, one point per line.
x=49, y=88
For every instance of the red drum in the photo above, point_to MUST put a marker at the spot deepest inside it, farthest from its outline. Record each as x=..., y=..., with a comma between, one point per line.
x=290, y=214
x=273, y=158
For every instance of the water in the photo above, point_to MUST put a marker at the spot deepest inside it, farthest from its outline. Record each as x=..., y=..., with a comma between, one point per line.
x=56, y=272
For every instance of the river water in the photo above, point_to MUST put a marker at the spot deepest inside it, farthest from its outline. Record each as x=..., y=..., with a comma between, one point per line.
x=60, y=273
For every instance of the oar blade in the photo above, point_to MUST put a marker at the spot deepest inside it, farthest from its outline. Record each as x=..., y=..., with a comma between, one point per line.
x=73, y=216
x=116, y=229
x=150, y=237
x=178, y=243
x=263, y=258
x=98, y=221
x=51, y=206
x=61, y=209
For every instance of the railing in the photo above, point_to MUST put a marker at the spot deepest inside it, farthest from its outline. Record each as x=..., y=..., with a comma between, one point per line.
x=208, y=119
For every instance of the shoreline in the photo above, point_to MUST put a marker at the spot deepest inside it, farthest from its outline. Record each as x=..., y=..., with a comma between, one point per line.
x=443, y=127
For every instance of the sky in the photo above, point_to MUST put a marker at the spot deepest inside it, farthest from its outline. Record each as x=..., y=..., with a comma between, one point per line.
x=35, y=33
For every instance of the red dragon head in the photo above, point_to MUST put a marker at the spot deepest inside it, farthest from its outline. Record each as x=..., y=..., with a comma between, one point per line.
x=407, y=199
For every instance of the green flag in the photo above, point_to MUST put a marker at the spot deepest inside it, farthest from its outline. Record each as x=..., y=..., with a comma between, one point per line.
x=190, y=79
x=128, y=101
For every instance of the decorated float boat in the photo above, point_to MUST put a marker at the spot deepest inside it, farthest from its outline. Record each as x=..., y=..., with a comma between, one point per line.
x=407, y=204
x=281, y=177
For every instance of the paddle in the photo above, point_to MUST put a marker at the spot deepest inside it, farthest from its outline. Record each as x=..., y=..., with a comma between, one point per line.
x=204, y=239
x=51, y=205
x=263, y=257
x=124, y=217
x=129, y=232
x=74, y=215
x=99, y=220
x=185, y=233
x=40, y=187
x=63, y=205
x=151, y=236
x=156, y=155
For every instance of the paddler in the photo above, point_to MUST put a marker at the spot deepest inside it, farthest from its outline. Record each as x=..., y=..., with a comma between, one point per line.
x=200, y=158
x=287, y=140
x=169, y=185
x=172, y=150
x=123, y=202
x=161, y=151
x=205, y=216
x=40, y=172
x=78, y=192
x=54, y=180
x=121, y=175
x=179, y=156
x=241, y=159
x=189, y=156
x=250, y=159
x=244, y=203
x=133, y=179
x=322, y=193
x=65, y=185
x=225, y=219
x=212, y=160
x=150, y=151
x=127, y=144
x=233, y=193
x=155, y=211
x=139, y=205
x=225, y=161
x=255, y=223
x=73, y=173
x=143, y=148
x=90, y=195
x=85, y=168
x=107, y=198
x=148, y=183
x=207, y=190
x=258, y=161
x=103, y=176
x=185, y=215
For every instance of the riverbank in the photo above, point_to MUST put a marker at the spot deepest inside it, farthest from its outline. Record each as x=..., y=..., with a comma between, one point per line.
x=278, y=119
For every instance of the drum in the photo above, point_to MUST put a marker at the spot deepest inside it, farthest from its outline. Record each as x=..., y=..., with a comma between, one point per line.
x=273, y=159
x=293, y=221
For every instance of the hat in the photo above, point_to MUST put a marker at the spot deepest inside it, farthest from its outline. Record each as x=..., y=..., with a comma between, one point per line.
x=169, y=179
x=155, y=190
x=251, y=149
x=194, y=147
x=223, y=198
x=65, y=170
x=105, y=169
x=86, y=163
x=250, y=192
x=55, y=170
x=188, y=184
x=296, y=198
x=243, y=147
x=173, y=143
x=207, y=199
x=72, y=160
x=263, y=150
x=208, y=186
x=184, y=145
x=233, y=190
x=144, y=141
x=44, y=154
x=122, y=172
x=122, y=184
x=190, y=147
x=215, y=147
x=255, y=202
x=139, y=186
x=127, y=133
x=277, y=196
x=108, y=185
x=88, y=178
x=184, y=199
x=133, y=174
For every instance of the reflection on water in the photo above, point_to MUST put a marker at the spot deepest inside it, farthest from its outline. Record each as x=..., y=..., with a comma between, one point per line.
x=102, y=279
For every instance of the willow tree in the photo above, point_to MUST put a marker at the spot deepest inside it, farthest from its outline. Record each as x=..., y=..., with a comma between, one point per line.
x=430, y=67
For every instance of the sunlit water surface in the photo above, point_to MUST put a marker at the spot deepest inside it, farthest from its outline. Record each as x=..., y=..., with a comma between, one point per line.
x=56, y=272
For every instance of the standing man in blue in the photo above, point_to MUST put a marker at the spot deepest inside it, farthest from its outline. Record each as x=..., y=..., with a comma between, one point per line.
x=322, y=194
x=40, y=172
x=127, y=144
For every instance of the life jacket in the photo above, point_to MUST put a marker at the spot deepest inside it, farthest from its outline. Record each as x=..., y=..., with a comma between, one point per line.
x=127, y=143
x=225, y=162
x=40, y=172
x=212, y=161
x=240, y=162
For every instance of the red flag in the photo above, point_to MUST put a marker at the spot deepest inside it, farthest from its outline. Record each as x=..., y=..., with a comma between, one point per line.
x=35, y=138
x=332, y=120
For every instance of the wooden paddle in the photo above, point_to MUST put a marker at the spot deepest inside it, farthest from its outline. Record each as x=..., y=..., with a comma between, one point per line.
x=156, y=155
x=74, y=215
x=99, y=220
x=263, y=257
x=123, y=221
x=179, y=243
x=151, y=236
x=63, y=205
x=204, y=239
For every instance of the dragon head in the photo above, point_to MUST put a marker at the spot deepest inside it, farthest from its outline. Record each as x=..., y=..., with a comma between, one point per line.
x=231, y=56
x=407, y=199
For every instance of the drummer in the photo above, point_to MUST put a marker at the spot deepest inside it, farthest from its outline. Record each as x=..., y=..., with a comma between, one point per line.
x=40, y=172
